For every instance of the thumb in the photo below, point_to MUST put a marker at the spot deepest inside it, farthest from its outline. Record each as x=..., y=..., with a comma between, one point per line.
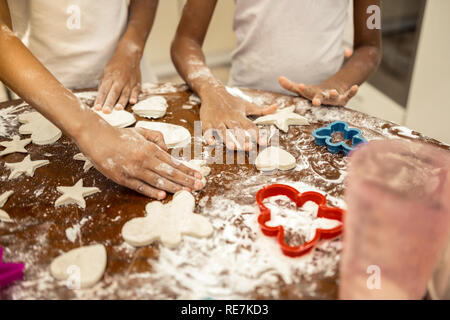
x=254, y=110
x=153, y=136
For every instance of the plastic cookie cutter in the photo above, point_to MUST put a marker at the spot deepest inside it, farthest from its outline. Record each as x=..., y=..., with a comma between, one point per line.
x=9, y=272
x=324, y=136
x=300, y=199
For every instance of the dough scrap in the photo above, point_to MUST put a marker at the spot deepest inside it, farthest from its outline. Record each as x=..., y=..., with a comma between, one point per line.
x=42, y=131
x=282, y=119
x=4, y=217
x=200, y=166
x=75, y=194
x=167, y=223
x=89, y=263
x=15, y=145
x=153, y=108
x=273, y=158
x=26, y=166
x=87, y=163
x=174, y=136
x=117, y=118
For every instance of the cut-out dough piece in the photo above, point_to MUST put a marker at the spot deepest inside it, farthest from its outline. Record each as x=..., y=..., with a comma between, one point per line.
x=15, y=145
x=200, y=166
x=42, y=131
x=273, y=158
x=4, y=217
x=75, y=194
x=87, y=163
x=153, y=108
x=283, y=119
x=89, y=263
x=167, y=223
x=174, y=136
x=117, y=118
x=26, y=166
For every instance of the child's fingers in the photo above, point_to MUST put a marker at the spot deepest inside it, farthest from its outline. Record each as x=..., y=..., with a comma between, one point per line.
x=254, y=110
x=123, y=100
x=307, y=92
x=208, y=134
x=349, y=94
x=113, y=95
x=288, y=84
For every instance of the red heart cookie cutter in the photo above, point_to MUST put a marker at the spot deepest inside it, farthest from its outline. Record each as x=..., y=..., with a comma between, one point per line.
x=300, y=199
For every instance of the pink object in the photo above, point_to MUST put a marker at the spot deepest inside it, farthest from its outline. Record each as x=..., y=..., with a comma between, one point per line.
x=398, y=219
x=9, y=272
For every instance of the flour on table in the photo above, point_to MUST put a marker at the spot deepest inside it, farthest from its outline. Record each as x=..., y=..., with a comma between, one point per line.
x=273, y=158
x=117, y=118
x=84, y=266
x=167, y=223
x=174, y=136
x=15, y=145
x=9, y=119
x=75, y=194
x=42, y=131
x=194, y=99
x=282, y=119
x=87, y=163
x=4, y=217
x=153, y=108
x=26, y=166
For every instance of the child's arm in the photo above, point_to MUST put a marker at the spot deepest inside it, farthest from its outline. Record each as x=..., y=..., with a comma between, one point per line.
x=220, y=111
x=131, y=157
x=121, y=79
x=343, y=86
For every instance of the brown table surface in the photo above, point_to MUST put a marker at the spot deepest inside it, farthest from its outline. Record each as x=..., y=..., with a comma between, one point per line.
x=236, y=262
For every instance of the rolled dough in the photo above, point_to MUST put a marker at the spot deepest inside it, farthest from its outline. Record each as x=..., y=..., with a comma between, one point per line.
x=153, y=108
x=42, y=131
x=117, y=118
x=282, y=119
x=273, y=158
x=174, y=136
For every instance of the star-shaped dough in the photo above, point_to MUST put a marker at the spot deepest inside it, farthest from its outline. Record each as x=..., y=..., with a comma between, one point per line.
x=26, y=166
x=167, y=223
x=75, y=194
x=87, y=163
x=4, y=217
x=283, y=119
x=15, y=145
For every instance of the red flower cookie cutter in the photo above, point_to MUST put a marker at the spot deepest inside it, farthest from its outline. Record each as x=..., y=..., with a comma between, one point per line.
x=299, y=198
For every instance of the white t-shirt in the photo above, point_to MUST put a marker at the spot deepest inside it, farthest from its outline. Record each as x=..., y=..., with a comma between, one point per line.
x=74, y=39
x=299, y=39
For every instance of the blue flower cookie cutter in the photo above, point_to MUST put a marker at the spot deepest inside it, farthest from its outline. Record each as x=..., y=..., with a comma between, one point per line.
x=323, y=137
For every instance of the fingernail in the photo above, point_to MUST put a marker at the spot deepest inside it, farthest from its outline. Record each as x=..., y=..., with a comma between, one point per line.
x=161, y=195
x=98, y=107
x=132, y=101
x=187, y=189
x=106, y=110
x=118, y=107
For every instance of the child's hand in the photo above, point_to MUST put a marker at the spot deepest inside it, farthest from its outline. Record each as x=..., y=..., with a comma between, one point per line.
x=120, y=83
x=137, y=159
x=325, y=93
x=227, y=115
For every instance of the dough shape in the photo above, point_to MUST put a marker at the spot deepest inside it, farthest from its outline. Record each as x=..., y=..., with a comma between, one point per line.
x=153, y=108
x=167, y=223
x=88, y=262
x=273, y=158
x=26, y=166
x=87, y=163
x=4, y=217
x=194, y=99
x=174, y=136
x=200, y=166
x=283, y=119
x=42, y=131
x=15, y=145
x=117, y=118
x=75, y=194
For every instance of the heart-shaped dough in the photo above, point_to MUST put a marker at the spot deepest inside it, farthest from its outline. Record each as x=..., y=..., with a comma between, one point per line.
x=273, y=158
x=153, y=108
x=167, y=223
x=42, y=131
x=174, y=136
x=85, y=266
x=117, y=118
